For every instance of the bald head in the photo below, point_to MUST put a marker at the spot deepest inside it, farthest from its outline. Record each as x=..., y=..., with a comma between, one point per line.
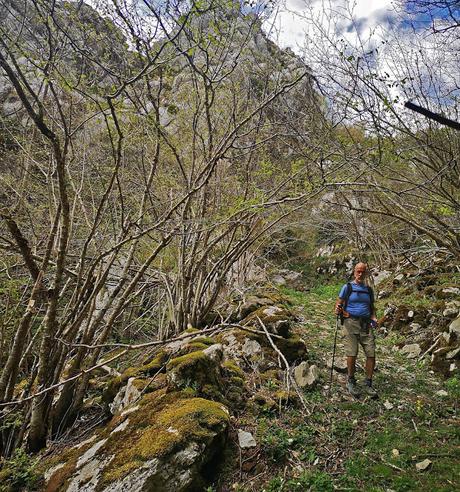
x=360, y=272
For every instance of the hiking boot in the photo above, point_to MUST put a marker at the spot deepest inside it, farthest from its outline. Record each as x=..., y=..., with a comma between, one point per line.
x=370, y=391
x=353, y=388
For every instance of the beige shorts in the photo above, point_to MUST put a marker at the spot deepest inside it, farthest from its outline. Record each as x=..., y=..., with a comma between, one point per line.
x=353, y=334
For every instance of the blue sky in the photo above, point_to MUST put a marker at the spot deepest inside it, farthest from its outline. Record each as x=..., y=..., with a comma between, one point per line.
x=369, y=17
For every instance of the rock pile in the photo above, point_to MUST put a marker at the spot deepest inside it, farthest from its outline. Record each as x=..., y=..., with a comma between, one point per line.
x=430, y=325
x=170, y=416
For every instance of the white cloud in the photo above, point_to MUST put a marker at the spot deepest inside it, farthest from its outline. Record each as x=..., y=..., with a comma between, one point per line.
x=351, y=18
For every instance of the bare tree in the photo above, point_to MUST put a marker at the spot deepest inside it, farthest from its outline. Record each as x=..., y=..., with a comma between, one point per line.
x=138, y=176
x=398, y=167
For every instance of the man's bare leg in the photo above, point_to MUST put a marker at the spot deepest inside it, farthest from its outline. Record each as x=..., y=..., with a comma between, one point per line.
x=370, y=366
x=351, y=367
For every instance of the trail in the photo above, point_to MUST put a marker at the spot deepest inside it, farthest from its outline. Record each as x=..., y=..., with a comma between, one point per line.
x=376, y=444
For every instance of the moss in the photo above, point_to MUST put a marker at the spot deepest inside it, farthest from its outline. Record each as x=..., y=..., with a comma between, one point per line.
x=271, y=374
x=186, y=360
x=145, y=370
x=196, y=370
x=192, y=347
x=212, y=393
x=281, y=318
x=237, y=381
x=59, y=478
x=232, y=369
x=191, y=330
x=206, y=340
x=164, y=425
x=286, y=396
x=240, y=335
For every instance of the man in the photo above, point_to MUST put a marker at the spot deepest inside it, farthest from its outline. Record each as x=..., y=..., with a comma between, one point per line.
x=357, y=310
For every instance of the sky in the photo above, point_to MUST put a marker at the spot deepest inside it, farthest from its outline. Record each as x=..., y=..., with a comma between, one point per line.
x=291, y=20
x=405, y=47
x=365, y=18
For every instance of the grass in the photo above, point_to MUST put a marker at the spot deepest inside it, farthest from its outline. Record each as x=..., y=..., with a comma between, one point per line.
x=363, y=435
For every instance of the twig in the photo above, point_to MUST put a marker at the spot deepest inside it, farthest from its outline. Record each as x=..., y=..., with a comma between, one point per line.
x=391, y=465
x=289, y=378
x=415, y=426
x=436, y=340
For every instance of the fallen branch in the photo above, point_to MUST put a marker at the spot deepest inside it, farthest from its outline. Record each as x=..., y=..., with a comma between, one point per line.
x=289, y=377
x=129, y=347
x=392, y=466
x=126, y=347
x=436, y=341
x=216, y=328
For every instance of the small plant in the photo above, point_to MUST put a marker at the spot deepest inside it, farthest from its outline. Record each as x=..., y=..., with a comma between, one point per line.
x=271, y=385
x=312, y=481
x=453, y=386
x=276, y=443
x=19, y=473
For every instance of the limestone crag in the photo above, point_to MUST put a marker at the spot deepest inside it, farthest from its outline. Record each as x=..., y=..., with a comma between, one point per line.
x=170, y=415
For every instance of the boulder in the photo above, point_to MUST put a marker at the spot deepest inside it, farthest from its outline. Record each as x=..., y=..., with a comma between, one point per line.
x=453, y=354
x=288, y=278
x=276, y=319
x=411, y=350
x=251, y=304
x=454, y=327
x=340, y=364
x=198, y=371
x=398, y=279
x=305, y=375
x=379, y=277
x=164, y=445
x=293, y=348
x=251, y=347
x=383, y=294
x=415, y=327
x=455, y=291
x=127, y=395
x=452, y=309
x=246, y=439
x=115, y=387
x=423, y=465
x=214, y=352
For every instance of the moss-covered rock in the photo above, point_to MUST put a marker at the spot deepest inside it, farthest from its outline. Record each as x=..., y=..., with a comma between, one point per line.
x=232, y=369
x=195, y=370
x=146, y=370
x=164, y=444
x=293, y=348
x=276, y=319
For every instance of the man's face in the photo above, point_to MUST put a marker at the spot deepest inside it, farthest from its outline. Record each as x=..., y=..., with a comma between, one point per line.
x=360, y=273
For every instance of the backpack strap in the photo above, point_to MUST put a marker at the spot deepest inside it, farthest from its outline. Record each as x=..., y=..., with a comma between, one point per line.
x=371, y=297
x=347, y=295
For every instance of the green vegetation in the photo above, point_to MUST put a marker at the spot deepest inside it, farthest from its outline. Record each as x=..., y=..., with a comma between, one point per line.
x=376, y=448
x=313, y=481
x=19, y=473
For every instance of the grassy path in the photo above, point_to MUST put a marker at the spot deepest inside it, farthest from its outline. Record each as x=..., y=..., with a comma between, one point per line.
x=369, y=445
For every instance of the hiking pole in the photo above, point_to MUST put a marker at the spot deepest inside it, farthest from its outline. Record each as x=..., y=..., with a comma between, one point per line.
x=333, y=352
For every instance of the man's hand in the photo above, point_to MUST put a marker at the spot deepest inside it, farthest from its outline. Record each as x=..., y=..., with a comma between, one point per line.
x=338, y=307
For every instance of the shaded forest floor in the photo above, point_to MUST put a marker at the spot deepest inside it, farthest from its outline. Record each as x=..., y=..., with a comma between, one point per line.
x=341, y=443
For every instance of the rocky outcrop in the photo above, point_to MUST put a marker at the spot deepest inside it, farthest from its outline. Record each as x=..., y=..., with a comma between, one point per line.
x=428, y=324
x=169, y=416
x=162, y=444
